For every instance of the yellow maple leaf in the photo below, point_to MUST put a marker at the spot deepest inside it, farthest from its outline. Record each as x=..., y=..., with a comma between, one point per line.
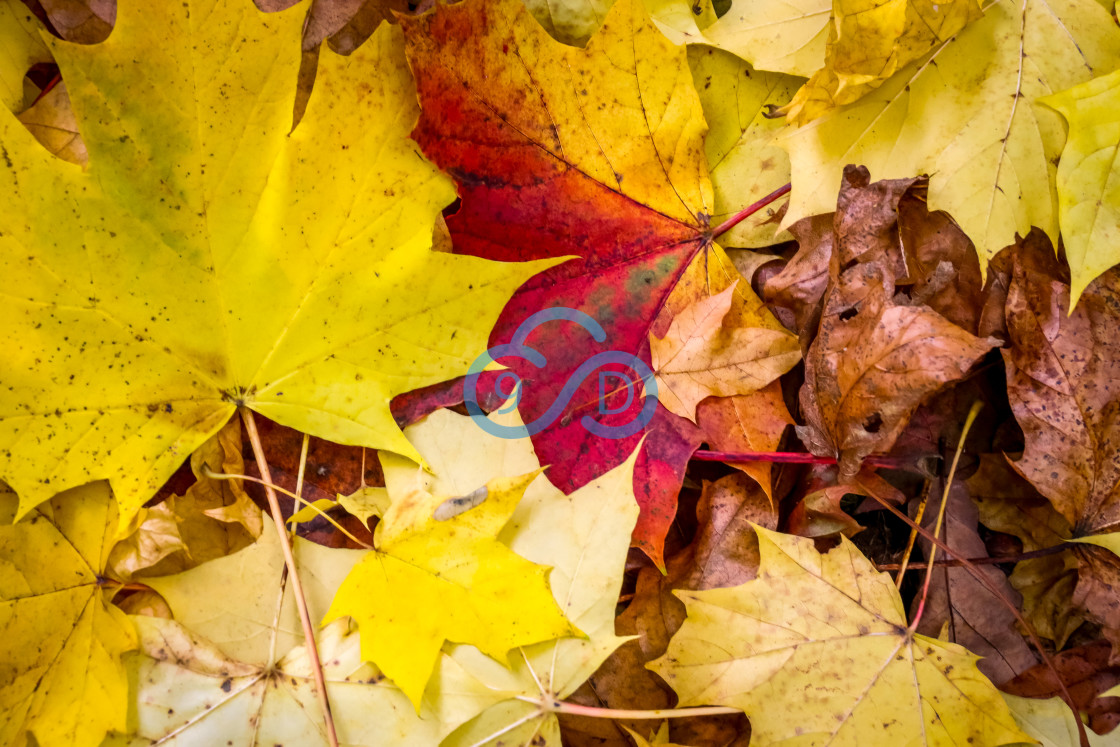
x=1089, y=179
x=583, y=537
x=745, y=163
x=438, y=558
x=61, y=678
x=816, y=650
x=869, y=42
x=965, y=115
x=698, y=358
x=208, y=259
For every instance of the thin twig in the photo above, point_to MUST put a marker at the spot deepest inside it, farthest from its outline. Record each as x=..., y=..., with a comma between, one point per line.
x=573, y=709
x=792, y=457
x=306, y=504
x=297, y=587
x=968, y=421
x=748, y=211
x=986, y=560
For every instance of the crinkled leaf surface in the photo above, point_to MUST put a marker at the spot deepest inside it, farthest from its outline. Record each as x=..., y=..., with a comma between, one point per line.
x=1089, y=178
x=61, y=678
x=595, y=152
x=583, y=537
x=458, y=583
x=1061, y=373
x=208, y=259
x=869, y=42
x=816, y=650
x=965, y=114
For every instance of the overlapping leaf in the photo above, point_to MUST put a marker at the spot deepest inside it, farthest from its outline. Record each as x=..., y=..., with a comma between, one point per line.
x=207, y=259
x=965, y=115
x=61, y=677
x=817, y=650
x=438, y=557
x=1089, y=178
x=20, y=48
x=595, y=152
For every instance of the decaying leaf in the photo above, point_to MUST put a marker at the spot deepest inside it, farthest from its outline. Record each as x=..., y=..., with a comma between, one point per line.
x=817, y=649
x=51, y=120
x=874, y=360
x=965, y=115
x=1089, y=178
x=438, y=556
x=61, y=677
x=194, y=266
x=1087, y=677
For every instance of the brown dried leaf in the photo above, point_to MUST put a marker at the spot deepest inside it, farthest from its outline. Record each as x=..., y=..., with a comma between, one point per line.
x=873, y=363
x=819, y=514
x=1063, y=381
x=82, y=21
x=976, y=620
x=1098, y=592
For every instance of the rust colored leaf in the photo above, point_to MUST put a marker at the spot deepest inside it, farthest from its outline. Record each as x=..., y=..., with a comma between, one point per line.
x=1063, y=381
x=819, y=514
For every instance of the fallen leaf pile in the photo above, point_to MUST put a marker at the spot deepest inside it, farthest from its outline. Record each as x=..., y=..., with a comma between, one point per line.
x=579, y=372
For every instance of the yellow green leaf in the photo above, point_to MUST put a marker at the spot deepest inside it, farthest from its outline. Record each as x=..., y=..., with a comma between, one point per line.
x=1050, y=722
x=784, y=36
x=583, y=537
x=869, y=42
x=21, y=46
x=816, y=650
x=698, y=358
x=661, y=736
x=1110, y=541
x=61, y=678
x=209, y=259
x=1089, y=179
x=965, y=115
x=745, y=163
x=575, y=21
x=309, y=512
x=438, y=557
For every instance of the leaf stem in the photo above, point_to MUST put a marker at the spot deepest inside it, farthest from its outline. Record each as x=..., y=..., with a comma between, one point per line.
x=297, y=586
x=792, y=457
x=986, y=560
x=573, y=709
x=748, y=211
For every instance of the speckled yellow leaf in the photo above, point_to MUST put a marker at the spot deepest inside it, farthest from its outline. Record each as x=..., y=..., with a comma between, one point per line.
x=207, y=259
x=745, y=163
x=966, y=114
x=816, y=651
x=440, y=574
x=1089, y=179
x=870, y=41
x=61, y=677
